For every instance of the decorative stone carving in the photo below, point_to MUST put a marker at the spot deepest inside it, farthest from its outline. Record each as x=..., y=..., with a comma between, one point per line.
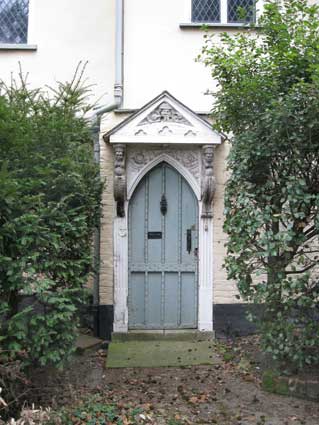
x=119, y=178
x=198, y=161
x=140, y=133
x=165, y=131
x=208, y=180
x=190, y=133
x=165, y=113
x=189, y=158
x=138, y=160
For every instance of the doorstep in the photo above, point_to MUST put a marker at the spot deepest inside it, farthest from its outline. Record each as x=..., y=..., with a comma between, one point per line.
x=161, y=353
x=163, y=335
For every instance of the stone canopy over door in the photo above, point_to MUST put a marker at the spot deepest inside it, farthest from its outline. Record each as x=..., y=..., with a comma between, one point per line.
x=163, y=178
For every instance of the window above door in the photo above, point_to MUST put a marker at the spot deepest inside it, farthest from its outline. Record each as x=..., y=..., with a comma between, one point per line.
x=206, y=11
x=241, y=11
x=221, y=13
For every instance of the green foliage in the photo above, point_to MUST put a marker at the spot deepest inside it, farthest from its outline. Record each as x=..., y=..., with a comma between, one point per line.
x=49, y=206
x=174, y=422
x=91, y=413
x=267, y=100
x=273, y=383
x=94, y=412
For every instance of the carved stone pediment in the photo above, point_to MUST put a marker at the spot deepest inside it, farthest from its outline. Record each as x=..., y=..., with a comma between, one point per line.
x=164, y=120
x=165, y=113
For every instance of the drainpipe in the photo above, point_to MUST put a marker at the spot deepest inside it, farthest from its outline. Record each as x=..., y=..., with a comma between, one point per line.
x=95, y=128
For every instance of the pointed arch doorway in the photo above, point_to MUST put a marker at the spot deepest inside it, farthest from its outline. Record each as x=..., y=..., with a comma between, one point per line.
x=166, y=133
x=163, y=247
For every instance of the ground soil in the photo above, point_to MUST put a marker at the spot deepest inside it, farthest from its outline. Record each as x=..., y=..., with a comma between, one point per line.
x=225, y=394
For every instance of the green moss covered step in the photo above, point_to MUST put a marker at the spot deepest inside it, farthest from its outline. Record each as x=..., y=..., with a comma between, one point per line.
x=161, y=354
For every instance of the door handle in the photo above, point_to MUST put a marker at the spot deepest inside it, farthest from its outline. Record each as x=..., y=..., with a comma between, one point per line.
x=189, y=240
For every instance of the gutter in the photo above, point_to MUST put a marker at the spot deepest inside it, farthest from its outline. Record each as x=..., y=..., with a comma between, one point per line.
x=95, y=128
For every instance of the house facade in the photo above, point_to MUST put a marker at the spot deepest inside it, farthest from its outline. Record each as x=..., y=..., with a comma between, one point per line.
x=160, y=247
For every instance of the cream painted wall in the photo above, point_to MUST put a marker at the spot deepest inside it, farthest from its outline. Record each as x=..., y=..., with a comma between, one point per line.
x=159, y=55
x=66, y=32
x=224, y=291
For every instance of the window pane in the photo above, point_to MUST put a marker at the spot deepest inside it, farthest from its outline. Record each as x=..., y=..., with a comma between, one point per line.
x=241, y=10
x=14, y=21
x=206, y=11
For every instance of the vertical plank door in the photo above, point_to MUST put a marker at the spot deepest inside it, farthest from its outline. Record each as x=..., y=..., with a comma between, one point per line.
x=163, y=241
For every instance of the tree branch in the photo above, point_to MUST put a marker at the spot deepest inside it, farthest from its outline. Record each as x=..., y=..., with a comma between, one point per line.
x=302, y=271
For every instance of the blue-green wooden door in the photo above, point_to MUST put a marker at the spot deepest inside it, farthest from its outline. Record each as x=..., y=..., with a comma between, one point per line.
x=163, y=241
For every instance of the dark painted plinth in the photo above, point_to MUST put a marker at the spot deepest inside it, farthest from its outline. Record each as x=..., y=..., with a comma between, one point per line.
x=230, y=320
x=103, y=317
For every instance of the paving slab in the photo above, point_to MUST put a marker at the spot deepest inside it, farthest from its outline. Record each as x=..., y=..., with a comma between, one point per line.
x=163, y=353
x=84, y=342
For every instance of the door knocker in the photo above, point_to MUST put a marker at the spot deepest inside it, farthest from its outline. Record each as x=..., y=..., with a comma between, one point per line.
x=163, y=204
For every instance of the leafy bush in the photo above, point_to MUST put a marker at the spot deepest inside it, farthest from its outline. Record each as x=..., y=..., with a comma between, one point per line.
x=268, y=102
x=49, y=205
x=94, y=411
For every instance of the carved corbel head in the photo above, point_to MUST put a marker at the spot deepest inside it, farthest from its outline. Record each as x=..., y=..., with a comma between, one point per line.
x=120, y=178
x=119, y=153
x=208, y=180
x=208, y=154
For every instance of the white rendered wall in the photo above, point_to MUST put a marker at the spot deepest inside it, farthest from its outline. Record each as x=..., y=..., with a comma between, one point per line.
x=66, y=32
x=159, y=55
